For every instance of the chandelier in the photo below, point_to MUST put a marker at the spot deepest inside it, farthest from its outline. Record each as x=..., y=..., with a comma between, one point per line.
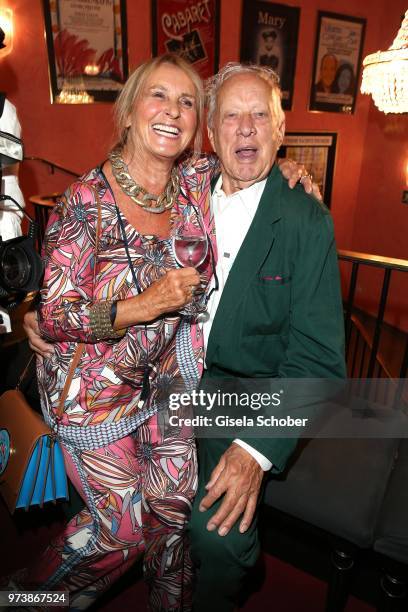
x=385, y=74
x=73, y=92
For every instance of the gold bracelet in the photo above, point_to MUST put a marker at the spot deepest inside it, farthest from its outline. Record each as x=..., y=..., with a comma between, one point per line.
x=100, y=323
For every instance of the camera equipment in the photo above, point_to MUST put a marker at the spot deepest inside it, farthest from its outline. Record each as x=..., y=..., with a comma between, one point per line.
x=21, y=267
x=11, y=149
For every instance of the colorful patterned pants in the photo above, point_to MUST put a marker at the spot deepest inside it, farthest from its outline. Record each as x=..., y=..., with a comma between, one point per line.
x=139, y=493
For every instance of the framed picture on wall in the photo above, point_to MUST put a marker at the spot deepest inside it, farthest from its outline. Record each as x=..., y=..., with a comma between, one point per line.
x=189, y=28
x=317, y=151
x=337, y=62
x=269, y=36
x=87, y=49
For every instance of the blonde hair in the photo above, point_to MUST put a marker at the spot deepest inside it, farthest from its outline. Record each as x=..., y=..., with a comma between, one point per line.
x=214, y=84
x=133, y=88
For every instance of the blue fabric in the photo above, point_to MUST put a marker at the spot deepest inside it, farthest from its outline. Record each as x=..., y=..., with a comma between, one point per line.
x=43, y=476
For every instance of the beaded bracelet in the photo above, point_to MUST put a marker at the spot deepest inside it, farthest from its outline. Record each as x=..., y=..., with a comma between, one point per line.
x=100, y=321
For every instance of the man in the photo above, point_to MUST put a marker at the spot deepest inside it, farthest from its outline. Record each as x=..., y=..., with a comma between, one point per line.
x=278, y=314
x=328, y=69
x=269, y=58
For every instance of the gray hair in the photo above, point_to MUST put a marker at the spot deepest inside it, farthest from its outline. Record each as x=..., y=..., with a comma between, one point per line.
x=214, y=84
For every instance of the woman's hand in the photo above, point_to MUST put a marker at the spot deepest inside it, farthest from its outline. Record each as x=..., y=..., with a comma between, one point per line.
x=295, y=173
x=170, y=293
x=36, y=343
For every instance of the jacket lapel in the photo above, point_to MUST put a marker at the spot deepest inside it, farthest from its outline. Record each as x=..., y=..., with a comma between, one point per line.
x=251, y=255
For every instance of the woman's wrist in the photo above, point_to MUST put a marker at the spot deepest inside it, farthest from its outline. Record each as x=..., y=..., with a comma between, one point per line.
x=113, y=312
x=135, y=311
x=149, y=312
x=100, y=321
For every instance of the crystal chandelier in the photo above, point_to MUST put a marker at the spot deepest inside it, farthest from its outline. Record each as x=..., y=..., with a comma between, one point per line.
x=385, y=74
x=73, y=92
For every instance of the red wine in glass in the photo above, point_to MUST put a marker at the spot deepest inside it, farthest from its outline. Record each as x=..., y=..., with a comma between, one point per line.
x=190, y=250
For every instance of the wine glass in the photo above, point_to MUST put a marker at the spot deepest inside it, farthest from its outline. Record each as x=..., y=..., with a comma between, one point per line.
x=190, y=244
x=190, y=248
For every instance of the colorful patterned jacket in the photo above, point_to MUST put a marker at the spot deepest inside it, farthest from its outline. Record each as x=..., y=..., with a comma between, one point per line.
x=81, y=269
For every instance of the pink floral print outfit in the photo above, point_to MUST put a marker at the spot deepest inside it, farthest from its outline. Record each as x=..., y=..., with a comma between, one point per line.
x=136, y=474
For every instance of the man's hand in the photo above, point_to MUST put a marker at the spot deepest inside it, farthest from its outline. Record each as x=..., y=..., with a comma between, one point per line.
x=36, y=343
x=295, y=172
x=238, y=476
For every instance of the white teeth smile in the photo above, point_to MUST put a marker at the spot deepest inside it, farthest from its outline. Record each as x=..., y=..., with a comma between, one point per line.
x=166, y=129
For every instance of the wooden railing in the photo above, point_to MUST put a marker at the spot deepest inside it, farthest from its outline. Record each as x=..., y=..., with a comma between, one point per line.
x=51, y=165
x=364, y=357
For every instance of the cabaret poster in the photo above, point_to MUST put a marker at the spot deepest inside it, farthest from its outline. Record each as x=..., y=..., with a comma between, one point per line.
x=189, y=28
x=337, y=61
x=269, y=36
x=87, y=47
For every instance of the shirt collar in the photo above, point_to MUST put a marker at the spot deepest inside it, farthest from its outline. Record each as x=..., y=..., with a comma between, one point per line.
x=250, y=196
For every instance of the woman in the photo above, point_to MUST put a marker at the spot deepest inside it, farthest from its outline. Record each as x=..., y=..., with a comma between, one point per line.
x=344, y=80
x=113, y=286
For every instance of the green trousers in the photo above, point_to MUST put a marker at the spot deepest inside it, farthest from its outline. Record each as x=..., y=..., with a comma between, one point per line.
x=222, y=563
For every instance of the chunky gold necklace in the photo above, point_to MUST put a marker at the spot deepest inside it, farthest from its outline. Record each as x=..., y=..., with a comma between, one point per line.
x=137, y=193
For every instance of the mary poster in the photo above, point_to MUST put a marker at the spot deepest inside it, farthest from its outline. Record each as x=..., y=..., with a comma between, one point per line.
x=269, y=37
x=337, y=62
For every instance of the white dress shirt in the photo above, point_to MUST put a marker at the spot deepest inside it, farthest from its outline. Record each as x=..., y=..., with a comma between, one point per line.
x=233, y=216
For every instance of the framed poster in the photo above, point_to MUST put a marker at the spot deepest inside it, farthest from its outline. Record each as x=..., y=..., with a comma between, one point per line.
x=189, y=28
x=269, y=35
x=337, y=62
x=87, y=46
x=317, y=151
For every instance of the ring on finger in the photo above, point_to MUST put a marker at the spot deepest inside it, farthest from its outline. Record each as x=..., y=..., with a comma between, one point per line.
x=304, y=176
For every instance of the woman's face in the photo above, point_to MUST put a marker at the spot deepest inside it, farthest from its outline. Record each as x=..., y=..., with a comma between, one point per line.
x=164, y=119
x=344, y=80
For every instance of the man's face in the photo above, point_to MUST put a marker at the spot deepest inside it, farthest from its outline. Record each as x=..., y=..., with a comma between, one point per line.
x=245, y=134
x=328, y=70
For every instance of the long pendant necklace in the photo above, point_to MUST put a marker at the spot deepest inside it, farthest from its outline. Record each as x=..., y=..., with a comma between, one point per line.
x=137, y=193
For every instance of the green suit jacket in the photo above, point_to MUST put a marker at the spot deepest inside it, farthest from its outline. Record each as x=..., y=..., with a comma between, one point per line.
x=280, y=314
